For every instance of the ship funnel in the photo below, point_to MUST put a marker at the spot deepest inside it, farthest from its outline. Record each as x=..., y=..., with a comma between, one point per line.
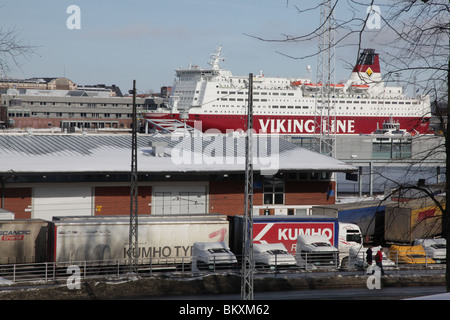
x=367, y=68
x=368, y=63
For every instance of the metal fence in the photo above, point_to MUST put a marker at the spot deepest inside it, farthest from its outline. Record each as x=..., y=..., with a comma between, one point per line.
x=393, y=259
x=51, y=271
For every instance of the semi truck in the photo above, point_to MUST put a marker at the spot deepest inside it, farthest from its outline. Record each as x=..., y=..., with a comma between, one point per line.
x=315, y=251
x=286, y=230
x=212, y=256
x=167, y=238
x=436, y=249
x=272, y=256
x=368, y=215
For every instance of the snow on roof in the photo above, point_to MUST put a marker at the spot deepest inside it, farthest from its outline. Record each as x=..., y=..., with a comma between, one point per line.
x=78, y=153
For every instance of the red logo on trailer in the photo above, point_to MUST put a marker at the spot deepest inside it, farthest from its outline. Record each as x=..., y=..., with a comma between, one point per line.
x=287, y=233
x=13, y=237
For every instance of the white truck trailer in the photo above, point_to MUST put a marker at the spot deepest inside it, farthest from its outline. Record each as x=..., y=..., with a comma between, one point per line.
x=160, y=238
x=23, y=241
x=286, y=229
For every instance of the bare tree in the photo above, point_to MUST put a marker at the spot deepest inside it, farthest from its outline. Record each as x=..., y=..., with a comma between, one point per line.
x=412, y=36
x=12, y=47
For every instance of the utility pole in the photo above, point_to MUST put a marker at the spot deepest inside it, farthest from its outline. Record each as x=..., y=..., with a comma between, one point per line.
x=325, y=115
x=247, y=246
x=133, y=251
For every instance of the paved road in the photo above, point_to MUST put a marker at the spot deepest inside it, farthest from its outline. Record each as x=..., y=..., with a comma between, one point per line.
x=390, y=293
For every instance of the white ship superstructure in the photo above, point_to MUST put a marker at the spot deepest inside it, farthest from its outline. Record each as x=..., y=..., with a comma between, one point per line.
x=287, y=105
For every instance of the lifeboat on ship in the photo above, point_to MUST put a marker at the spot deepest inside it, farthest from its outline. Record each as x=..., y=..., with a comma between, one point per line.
x=360, y=87
x=296, y=83
x=312, y=86
x=338, y=86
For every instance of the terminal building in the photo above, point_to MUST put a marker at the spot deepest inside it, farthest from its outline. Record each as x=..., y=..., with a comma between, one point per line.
x=43, y=103
x=46, y=175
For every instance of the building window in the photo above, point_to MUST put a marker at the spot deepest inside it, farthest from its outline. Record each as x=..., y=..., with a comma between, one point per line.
x=273, y=190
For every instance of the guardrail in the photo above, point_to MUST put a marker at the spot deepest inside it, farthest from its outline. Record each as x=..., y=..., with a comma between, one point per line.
x=182, y=266
x=398, y=259
x=60, y=271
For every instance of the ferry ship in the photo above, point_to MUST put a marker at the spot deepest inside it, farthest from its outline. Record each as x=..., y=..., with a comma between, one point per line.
x=212, y=99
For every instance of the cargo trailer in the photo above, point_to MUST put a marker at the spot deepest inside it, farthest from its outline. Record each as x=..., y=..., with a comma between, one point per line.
x=368, y=215
x=23, y=241
x=416, y=219
x=284, y=229
x=159, y=237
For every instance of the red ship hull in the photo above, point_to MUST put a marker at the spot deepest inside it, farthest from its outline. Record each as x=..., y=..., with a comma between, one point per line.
x=293, y=125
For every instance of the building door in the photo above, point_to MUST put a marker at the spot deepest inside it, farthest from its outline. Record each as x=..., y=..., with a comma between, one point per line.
x=162, y=203
x=179, y=200
x=61, y=201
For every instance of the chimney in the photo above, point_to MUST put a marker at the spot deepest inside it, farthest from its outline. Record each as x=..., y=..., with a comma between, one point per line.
x=158, y=147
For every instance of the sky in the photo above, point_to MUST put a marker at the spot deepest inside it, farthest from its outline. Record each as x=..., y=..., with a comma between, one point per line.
x=146, y=40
